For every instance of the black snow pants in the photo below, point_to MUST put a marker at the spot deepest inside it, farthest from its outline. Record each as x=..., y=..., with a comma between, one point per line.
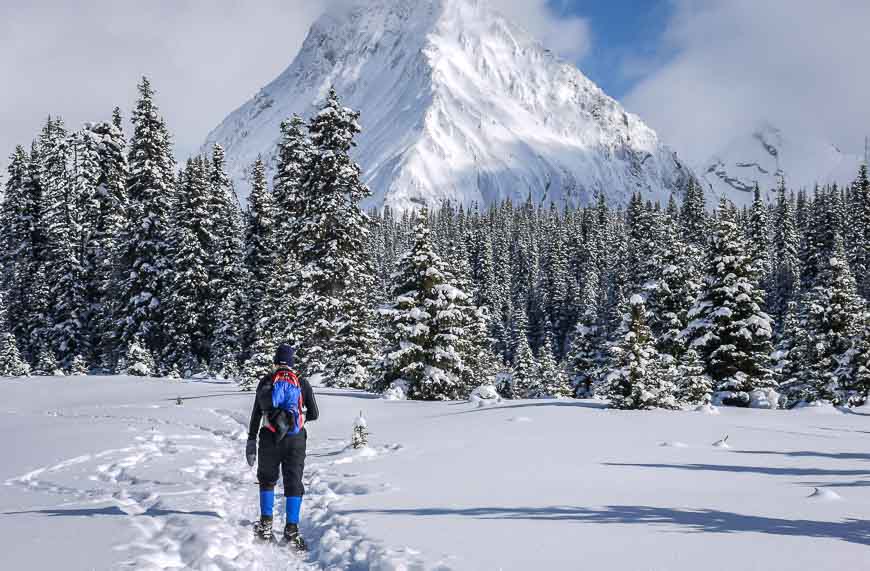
x=288, y=455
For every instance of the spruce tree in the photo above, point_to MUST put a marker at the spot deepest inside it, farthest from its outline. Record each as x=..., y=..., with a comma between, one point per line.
x=758, y=240
x=785, y=279
x=860, y=232
x=102, y=149
x=226, y=273
x=694, y=386
x=21, y=248
x=295, y=153
x=586, y=356
x=11, y=363
x=78, y=366
x=426, y=322
x=727, y=325
x=833, y=318
x=693, y=217
x=636, y=380
x=261, y=247
x=552, y=381
x=63, y=256
x=46, y=364
x=676, y=290
x=146, y=251
x=188, y=310
x=524, y=378
x=328, y=232
x=138, y=361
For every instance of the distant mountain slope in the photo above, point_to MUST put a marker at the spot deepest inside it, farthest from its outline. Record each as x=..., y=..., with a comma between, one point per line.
x=768, y=152
x=457, y=103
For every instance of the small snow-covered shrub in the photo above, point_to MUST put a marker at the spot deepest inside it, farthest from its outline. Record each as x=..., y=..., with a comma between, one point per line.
x=764, y=398
x=360, y=437
x=707, y=409
x=398, y=390
x=485, y=394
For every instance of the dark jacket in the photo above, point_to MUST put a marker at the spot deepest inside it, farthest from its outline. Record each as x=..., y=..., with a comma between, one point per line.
x=264, y=396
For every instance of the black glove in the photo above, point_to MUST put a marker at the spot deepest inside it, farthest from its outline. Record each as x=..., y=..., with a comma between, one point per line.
x=251, y=452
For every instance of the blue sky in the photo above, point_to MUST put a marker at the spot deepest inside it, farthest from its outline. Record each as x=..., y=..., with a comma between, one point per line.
x=626, y=36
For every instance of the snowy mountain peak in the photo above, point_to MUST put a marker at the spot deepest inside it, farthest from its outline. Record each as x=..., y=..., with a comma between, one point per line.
x=457, y=103
x=768, y=153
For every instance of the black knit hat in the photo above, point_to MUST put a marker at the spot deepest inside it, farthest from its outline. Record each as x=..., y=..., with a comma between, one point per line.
x=284, y=355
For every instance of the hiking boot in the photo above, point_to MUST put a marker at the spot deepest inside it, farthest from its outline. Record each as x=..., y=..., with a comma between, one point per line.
x=292, y=537
x=263, y=529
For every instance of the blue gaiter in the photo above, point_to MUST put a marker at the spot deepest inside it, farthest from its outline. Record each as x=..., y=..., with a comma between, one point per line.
x=294, y=506
x=267, y=502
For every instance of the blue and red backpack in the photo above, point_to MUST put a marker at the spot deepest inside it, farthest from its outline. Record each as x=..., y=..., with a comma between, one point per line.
x=287, y=397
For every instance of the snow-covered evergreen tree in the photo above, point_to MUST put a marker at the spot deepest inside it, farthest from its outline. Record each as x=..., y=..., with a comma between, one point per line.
x=21, y=248
x=785, y=278
x=102, y=151
x=693, y=385
x=552, y=380
x=636, y=380
x=261, y=247
x=11, y=363
x=728, y=327
x=587, y=354
x=833, y=316
x=758, y=240
x=227, y=272
x=524, y=378
x=859, y=232
x=138, y=361
x=425, y=323
x=78, y=366
x=146, y=243
x=676, y=290
x=46, y=364
x=187, y=311
x=693, y=217
x=328, y=232
x=62, y=222
x=295, y=152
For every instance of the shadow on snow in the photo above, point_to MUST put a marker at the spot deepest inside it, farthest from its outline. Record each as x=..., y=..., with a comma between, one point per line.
x=694, y=521
x=111, y=511
x=770, y=471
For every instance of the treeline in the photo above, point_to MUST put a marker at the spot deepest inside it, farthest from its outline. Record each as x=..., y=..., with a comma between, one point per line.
x=116, y=261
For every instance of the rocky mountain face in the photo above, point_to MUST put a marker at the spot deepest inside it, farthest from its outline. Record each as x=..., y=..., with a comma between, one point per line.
x=457, y=103
x=767, y=153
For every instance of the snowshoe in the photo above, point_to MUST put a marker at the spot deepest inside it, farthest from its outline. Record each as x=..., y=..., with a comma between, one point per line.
x=263, y=530
x=294, y=539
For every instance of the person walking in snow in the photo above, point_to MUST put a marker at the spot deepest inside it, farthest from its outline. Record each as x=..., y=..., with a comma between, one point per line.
x=282, y=405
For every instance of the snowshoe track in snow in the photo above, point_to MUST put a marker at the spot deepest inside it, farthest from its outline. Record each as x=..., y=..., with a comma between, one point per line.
x=203, y=518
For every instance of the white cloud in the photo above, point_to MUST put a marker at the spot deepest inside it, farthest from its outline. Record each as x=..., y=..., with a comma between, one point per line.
x=569, y=37
x=800, y=64
x=80, y=59
x=205, y=57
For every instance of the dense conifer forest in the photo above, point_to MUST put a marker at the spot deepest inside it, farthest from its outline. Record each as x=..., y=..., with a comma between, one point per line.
x=115, y=259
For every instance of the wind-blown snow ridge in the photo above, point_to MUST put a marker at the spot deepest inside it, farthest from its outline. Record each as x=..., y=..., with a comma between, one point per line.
x=457, y=103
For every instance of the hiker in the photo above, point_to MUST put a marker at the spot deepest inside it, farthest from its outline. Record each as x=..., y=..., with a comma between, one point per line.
x=283, y=404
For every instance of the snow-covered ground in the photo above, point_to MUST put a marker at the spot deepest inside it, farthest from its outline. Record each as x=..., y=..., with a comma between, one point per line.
x=109, y=472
